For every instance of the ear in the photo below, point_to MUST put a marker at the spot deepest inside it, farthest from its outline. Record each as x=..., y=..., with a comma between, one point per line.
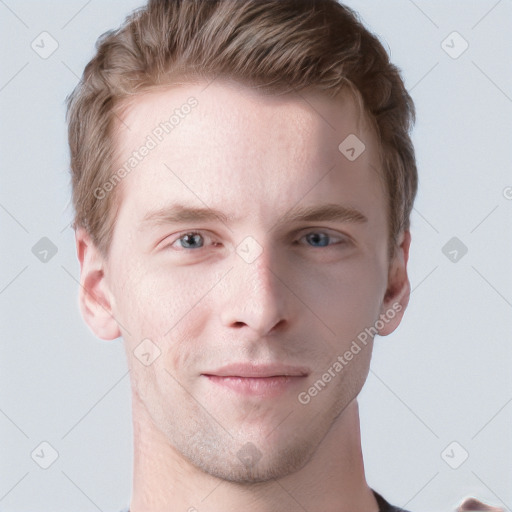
x=95, y=299
x=398, y=290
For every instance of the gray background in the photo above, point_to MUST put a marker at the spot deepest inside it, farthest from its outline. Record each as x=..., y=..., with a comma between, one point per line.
x=443, y=377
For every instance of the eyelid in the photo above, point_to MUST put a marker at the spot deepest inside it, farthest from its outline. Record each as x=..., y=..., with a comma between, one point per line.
x=170, y=240
x=333, y=234
x=326, y=231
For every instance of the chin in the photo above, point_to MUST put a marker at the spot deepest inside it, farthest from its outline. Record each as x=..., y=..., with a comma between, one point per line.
x=251, y=464
x=259, y=473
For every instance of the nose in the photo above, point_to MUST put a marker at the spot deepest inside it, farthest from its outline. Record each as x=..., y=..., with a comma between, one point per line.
x=256, y=296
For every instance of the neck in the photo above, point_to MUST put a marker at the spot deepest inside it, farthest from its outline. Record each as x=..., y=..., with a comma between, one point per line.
x=333, y=479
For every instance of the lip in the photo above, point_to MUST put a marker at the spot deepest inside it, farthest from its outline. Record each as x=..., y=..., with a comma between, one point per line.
x=267, y=380
x=247, y=370
x=257, y=386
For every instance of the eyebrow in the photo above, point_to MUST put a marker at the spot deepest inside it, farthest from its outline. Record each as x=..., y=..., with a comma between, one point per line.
x=179, y=214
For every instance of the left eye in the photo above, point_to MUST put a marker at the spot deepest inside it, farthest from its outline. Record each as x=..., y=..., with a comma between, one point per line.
x=320, y=238
x=195, y=240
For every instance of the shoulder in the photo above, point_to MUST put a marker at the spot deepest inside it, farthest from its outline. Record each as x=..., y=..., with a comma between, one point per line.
x=470, y=504
x=384, y=506
x=473, y=504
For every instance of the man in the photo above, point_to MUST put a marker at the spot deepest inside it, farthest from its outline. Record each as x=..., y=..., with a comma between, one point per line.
x=242, y=180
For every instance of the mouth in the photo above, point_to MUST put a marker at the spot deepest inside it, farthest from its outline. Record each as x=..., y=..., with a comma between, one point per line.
x=257, y=380
x=248, y=370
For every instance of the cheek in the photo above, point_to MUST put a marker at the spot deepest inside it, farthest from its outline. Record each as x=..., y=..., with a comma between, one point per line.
x=157, y=300
x=169, y=309
x=346, y=297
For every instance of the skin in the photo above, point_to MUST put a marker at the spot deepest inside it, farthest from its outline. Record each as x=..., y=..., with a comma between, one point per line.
x=302, y=301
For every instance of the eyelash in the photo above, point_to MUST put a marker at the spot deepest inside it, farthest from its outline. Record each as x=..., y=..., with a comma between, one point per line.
x=343, y=240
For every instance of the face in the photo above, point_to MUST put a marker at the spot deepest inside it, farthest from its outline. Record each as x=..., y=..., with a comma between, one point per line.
x=245, y=236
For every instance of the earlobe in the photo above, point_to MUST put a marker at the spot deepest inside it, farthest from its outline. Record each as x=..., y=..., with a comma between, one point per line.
x=398, y=290
x=95, y=299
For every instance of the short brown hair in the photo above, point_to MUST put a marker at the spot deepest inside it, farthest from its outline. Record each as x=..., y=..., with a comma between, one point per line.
x=276, y=45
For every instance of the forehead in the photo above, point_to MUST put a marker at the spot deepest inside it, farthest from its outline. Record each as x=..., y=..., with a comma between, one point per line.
x=226, y=145
x=234, y=109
